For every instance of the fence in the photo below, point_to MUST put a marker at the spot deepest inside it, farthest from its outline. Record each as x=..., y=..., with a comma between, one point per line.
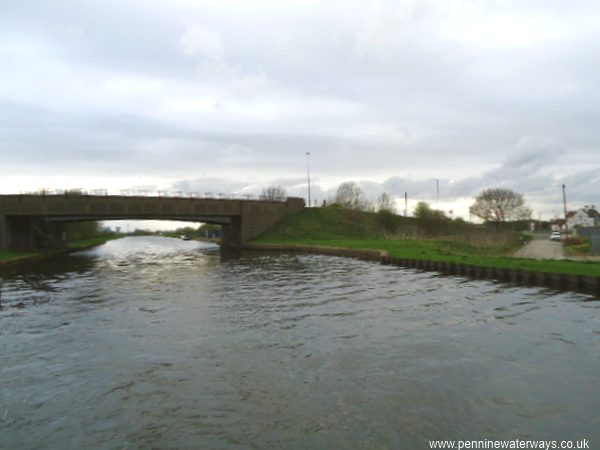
x=594, y=234
x=148, y=193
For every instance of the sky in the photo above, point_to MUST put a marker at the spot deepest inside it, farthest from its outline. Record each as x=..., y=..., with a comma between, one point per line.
x=229, y=96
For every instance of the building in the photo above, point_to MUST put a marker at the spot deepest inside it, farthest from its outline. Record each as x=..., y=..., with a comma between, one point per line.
x=557, y=225
x=587, y=216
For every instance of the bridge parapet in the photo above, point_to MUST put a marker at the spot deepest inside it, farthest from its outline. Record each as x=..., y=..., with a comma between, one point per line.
x=145, y=193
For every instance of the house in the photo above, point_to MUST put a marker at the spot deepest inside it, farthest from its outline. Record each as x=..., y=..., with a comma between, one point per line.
x=557, y=225
x=587, y=216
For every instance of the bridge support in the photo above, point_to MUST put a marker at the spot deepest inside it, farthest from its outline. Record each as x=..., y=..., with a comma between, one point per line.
x=17, y=234
x=3, y=232
x=26, y=234
x=255, y=219
x=232, y=233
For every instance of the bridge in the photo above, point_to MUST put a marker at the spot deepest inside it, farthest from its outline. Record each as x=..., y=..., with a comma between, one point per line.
x=31, y=222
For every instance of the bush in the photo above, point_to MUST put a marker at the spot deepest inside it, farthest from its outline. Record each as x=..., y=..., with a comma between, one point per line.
x=573, y=241
x=82, y=230
x=387, y=220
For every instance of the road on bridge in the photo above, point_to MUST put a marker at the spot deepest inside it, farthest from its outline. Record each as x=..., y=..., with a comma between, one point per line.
x=541, y=247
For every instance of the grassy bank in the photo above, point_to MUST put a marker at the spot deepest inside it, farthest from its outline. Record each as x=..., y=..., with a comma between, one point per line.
x=7, y=256
x=466, y=244
x=92, y=242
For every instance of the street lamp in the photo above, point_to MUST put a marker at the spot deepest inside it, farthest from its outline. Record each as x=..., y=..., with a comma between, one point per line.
x=565, y=210
x=308, y=175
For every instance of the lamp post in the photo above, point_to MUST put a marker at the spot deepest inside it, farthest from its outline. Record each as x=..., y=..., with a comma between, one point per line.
x=565, y=208
x=308, y=175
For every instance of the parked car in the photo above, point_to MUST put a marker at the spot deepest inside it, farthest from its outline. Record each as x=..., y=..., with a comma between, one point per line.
x=555, y=236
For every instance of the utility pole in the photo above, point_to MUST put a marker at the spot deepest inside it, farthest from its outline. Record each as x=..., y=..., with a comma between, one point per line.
x=406, y=204
x=437, y=193
x=565, y=207
x=308, y=175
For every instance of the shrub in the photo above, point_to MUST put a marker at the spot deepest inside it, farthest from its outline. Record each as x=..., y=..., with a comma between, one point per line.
x=573, y=241
x=387, y=220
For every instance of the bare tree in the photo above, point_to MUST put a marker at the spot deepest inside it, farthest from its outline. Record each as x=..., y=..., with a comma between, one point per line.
x=385, y=202
x=500, y=205
x=273, y=193
x=349, y=195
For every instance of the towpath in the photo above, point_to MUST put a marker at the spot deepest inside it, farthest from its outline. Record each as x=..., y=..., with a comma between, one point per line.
x=541, y=247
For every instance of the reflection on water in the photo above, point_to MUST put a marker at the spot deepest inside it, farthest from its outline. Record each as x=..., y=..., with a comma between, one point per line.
x=152, y=342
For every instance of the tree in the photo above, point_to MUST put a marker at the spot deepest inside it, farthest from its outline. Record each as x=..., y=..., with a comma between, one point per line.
x=385, y=202
x=82, y=230
x=500, y=205
x=349, y=195
x=273, y=193
x=430, y=221
x=424, y=212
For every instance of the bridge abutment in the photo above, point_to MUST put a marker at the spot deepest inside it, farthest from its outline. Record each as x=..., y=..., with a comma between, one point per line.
x=256, y=219
x=232, y=233
x=27, y=234
x=3, y=232
x=19, y=234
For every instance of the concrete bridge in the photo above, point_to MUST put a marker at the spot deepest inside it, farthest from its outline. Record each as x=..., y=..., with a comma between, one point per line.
x=31, y=221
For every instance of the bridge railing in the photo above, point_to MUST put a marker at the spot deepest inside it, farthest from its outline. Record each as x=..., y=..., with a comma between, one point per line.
x=150, y=193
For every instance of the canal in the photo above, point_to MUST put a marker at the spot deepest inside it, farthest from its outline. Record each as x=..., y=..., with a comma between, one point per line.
x=151, y=342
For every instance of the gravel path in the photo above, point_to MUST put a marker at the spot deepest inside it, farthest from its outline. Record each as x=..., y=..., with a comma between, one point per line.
x=541, y=248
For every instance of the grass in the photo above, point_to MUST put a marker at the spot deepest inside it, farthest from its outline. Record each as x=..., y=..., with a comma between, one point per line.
x=171, y=234
x=91, y=242
x=356, y=230
x=6, y=255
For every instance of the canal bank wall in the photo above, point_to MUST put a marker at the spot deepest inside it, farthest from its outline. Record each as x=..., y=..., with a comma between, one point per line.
x=558, y=281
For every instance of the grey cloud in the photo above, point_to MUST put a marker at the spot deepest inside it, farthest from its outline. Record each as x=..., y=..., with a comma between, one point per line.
x=522, y=171
x=398, y=93
x=421, y=189
x=102, y=33
x=295, y=187
x=532, y=153
x=210, y=185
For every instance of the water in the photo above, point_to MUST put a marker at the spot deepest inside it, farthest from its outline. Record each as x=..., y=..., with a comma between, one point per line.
x=159, y=343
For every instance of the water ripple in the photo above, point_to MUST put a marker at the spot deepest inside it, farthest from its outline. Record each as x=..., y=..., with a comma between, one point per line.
x=161, y=343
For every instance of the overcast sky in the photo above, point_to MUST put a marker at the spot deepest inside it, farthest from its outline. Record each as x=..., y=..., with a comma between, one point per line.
x=229, y=96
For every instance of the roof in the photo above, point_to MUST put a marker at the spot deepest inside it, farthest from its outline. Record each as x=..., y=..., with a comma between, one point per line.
x=590, y=212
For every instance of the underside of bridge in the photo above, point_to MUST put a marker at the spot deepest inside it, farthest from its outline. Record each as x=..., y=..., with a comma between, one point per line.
x=35, y=222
